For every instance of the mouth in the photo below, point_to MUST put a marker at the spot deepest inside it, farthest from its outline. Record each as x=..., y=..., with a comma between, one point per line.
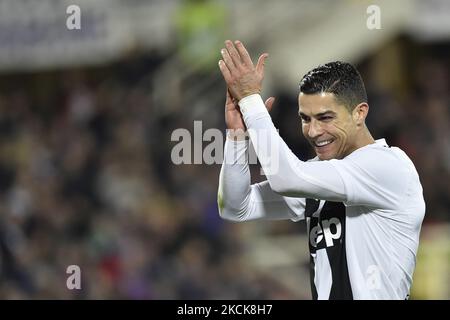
x=322, y=143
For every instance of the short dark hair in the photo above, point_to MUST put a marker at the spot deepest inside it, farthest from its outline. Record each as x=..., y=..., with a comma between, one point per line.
x=340, y=78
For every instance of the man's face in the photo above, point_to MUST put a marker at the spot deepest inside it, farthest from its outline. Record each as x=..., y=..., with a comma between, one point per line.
x=327, y=125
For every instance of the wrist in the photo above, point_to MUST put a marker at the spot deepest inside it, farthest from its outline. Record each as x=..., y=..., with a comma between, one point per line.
x=248, y=93
x=252, y=104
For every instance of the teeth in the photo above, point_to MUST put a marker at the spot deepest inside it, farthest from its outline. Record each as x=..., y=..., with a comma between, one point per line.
x=323, y=143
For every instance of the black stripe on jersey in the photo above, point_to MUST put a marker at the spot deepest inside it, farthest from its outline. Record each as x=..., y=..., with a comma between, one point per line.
x=311, y=278
x=311, y=207
x=326, y=231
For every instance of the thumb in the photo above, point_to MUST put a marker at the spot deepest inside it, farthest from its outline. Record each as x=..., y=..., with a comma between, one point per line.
x=260, y=64
x=269, y=103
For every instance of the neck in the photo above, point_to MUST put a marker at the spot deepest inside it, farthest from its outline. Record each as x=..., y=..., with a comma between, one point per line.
x=365, y=139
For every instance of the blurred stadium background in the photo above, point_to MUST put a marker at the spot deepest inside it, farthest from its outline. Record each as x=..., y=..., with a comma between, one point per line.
x=86, y=118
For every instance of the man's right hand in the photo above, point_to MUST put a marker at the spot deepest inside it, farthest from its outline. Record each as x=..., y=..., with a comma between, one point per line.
x=233, y=116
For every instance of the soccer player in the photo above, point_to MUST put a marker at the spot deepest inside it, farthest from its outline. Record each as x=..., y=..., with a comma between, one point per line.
x=362, y=199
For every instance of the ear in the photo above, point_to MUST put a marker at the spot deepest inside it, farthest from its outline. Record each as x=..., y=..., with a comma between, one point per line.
x=359, y=113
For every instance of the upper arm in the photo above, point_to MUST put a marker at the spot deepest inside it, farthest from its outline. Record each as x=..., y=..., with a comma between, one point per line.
x=376, y=179
x=312, y=179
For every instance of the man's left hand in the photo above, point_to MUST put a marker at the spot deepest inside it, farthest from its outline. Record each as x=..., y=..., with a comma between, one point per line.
x=241, y=76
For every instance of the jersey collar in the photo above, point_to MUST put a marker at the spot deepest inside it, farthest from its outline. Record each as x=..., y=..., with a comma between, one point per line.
x=382, y=142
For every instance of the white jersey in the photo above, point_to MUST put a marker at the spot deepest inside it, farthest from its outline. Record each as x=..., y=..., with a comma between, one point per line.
x=363, y=213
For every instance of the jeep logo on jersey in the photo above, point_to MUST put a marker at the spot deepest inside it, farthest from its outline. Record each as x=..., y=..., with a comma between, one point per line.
x=329, y=230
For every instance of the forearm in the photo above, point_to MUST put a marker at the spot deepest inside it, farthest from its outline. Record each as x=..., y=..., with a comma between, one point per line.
x=234, y=181
x=240, y=201
x=287, y=174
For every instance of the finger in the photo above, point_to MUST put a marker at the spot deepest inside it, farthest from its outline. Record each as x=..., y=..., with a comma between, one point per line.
x=233, y=99
x=261, y=62
x=228, y=99
x=225, y=71
x=233, y=53
x=269, y=103
x=243, y=53
x=228, y=61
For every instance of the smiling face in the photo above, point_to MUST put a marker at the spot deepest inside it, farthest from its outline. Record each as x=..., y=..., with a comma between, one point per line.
x=333, y=130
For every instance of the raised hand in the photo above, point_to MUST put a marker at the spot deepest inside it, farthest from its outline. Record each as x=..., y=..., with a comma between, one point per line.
x=241, y=76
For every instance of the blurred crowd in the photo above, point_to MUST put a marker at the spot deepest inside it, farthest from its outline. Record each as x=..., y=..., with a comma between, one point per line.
x=86, y=179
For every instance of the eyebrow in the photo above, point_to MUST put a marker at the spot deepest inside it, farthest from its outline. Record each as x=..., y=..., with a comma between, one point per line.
x=317, y=115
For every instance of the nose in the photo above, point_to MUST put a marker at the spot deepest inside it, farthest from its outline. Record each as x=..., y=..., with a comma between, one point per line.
x=314, y=129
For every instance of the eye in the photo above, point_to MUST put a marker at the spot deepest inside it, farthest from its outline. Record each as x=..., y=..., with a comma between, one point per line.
x=326, y=118
x=304, y=119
